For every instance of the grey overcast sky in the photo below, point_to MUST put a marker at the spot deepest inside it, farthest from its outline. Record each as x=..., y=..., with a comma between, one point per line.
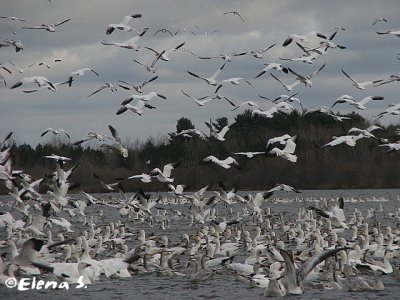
x=368, y=56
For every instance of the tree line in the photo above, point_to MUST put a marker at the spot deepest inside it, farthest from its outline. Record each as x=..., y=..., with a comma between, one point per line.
x=366, y=165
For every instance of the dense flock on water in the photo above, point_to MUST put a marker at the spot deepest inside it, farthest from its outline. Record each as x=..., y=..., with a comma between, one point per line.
x=52, y=236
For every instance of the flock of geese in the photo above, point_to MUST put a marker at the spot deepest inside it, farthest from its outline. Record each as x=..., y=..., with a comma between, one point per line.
x=226, y=233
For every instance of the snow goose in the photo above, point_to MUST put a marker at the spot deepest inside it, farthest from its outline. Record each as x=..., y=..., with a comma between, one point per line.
x=380, y=19
x=137, y=109
x=13, y=18
x=287, y=152
x=269, y=113
x=90, y=136
x=235, y=13
x=117, y=143
x=165, y=174
x=165, y=53
x=360, y=104
x=392, y=32
x=48, y=27
x=39, y=80
x=292, y=36
x=201, y=101
x=361, y=85
x=128, y=44
x=272, y=66
x=79, y=72
x=349, y=140
x=123, y=25
x=210, y=80
x=150, y=68
x=55, y=131
x=226, y=163
x=137, y=88
x=288, y=87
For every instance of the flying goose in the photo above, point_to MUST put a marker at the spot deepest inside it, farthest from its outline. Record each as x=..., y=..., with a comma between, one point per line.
x=226, y=163
x=201, y=101
x=137, y=109
x=150, y=68
x=79, y=72
x=123, y=25
x=361, y=85
x=48, y=27
x=360, y=104
x=212, y=79
x=128, y=44
x=272, y=66
x=55, y=131
x=235, y=13
x=137, y=88
x=165, y=53
x=39, y=80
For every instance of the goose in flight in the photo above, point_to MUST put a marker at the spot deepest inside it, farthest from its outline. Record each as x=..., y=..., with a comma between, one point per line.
x=146, y=178
x=225, y=56
x=130, y=43
x=379, y=20
x=366, y=132
x=39, y=80
x=325, y=110
x=235, y=13
x=146, y=97
x=248, y=103
x=288, y=87
x=258, y=54
x=107, y=85
x=55, y=84
x=165, y=174
x=164, y=55
x=282, y=187
x=349, y=140
x=91, y=136
x=137, y=109
x=286, y=153
x=392, y=146
x=361, y=85
x=16, y=43
x=48, y=27
x=292, y=36
x=219, y=135
x=308, y=59
x=283, y=107
x=201, y=101
x=117, y=142
x=306, y=80
x=233, y=80
x=163, y=30
x=273, y=66
x=285, y=98
x=150, y=68
x=20, y=70
x=55, y=131
x=212, y=79
x=249, y=154
x=13, y=18
x=279, y=139
x=123, y=25
x=360, y=104
x=392, y=32
x=226, y=163
x=393, y=109
x=137, y=88
x=79, y=72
